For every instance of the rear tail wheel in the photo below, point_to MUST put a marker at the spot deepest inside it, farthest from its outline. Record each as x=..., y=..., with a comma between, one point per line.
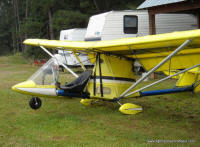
x=35, y=103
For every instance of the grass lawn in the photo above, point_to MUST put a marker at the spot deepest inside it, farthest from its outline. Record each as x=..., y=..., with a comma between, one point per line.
x=65, y=122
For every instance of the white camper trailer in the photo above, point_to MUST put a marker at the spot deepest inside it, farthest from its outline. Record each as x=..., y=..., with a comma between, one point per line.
x=76, y=34
x=67, y=57
x=133, y=23
x=122, y=24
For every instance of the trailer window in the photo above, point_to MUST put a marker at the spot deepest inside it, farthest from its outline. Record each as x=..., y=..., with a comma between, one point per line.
x=130, y=24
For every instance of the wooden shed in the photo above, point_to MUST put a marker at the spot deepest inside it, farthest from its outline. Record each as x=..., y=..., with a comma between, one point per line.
x=170, y=6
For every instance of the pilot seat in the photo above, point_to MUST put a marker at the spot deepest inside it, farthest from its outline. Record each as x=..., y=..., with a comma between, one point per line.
x=78, y=85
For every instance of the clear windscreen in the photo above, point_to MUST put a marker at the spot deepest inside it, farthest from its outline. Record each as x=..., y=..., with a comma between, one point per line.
x=47, y=74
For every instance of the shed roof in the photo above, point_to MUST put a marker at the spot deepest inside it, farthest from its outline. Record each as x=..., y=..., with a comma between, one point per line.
x=153, y=3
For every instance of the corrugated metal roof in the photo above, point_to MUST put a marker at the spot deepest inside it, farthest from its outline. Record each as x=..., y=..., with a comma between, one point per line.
x=152, y=3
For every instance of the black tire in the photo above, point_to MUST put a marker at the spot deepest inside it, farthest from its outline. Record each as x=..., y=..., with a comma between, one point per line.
x=35, y=103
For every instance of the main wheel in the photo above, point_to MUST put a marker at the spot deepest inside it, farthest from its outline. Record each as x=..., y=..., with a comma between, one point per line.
x=35, y=103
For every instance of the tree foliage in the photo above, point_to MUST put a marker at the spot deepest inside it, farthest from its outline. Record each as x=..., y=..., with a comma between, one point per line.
x=21, y=19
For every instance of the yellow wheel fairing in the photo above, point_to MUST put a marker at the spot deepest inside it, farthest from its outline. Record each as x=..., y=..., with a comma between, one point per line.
x=87, y=102
x=129, y=108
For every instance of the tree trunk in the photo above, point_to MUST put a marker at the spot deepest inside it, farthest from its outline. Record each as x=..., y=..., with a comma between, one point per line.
x=16, y=28
x=18, y=37
x=101, y=5
x=13, y=42
x=18, y=24
x=96, y=4
x=51, y=33
x=26, y=17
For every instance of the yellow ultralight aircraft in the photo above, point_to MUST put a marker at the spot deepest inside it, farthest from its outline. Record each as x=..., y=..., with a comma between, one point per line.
x=112, y=78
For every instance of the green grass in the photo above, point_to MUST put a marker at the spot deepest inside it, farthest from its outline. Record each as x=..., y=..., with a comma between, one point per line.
x=65, y=122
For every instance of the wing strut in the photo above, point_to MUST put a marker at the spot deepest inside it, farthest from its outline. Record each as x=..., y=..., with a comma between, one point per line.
x=147, y=86
x=100, y=75
x=124, y=94
x=82, y=65
x=59, y=62
x=94, y=78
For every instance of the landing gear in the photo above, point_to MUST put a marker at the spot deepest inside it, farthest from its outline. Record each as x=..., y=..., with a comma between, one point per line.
x=88, y=102
x=129, y=108
x=35, y=103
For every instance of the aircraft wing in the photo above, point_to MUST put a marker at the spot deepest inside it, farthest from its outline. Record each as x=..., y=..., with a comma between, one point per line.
x=149, y=50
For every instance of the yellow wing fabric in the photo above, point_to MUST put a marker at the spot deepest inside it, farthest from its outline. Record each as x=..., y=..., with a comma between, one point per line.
x=135, y=43
x=150, y=49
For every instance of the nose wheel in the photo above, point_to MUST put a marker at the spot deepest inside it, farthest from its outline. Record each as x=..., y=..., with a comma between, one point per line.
x=35, y=103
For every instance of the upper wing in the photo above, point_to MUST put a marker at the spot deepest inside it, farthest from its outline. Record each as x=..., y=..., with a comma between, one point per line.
x=149, y=49
x=136, y=43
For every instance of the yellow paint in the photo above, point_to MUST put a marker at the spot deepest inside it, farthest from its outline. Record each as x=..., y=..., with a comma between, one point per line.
x=26, y=84
x=92, y=57
x=162, y=52
x=82, y=65
x=171, y=73
x=129, y=108
x=145, y=42
x=150, y=50
x=183, y=60
x=31, y=84
x=188, y=78
x=197, y=87
x=112, y=67
x=87, y=102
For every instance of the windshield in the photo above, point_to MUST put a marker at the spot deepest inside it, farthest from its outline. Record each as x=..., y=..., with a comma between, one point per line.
x=47, y=74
